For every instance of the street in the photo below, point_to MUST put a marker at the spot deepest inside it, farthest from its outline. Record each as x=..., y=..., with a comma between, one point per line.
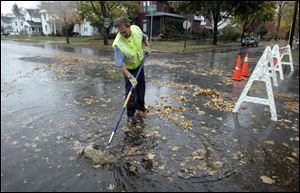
x=56, y=100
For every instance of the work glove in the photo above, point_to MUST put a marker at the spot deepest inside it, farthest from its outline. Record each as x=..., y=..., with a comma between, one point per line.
x=133, y=81
x=147, y=50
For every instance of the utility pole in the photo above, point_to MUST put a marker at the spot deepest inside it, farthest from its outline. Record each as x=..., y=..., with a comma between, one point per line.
x=151, y=26
x=151, y=10
x=186, y=23
x=293, y=24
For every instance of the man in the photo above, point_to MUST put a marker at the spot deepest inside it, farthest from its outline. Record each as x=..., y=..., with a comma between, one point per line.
x=129, y=54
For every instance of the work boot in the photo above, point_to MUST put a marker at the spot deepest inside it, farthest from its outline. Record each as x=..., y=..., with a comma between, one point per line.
x=141, y=112
x=131, y=120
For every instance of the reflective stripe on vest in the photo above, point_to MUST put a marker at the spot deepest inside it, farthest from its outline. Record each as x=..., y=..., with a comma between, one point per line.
x=133, y=53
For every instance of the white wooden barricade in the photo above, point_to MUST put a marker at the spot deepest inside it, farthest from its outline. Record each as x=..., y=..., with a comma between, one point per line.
x=287, y=51
x=260, y=73
x=277, y=57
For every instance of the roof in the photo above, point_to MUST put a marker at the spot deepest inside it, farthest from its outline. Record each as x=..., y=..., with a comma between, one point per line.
x=8, y=28
x=34, y=12
x=6, y=19
x=208, y=24
x=166, y=14
x=20, y=15
x=34, y=24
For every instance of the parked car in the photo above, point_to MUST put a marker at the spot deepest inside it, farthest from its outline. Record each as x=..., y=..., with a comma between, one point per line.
x=250, y=41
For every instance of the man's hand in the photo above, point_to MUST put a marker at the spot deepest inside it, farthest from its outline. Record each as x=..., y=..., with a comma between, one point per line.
x=133, y=81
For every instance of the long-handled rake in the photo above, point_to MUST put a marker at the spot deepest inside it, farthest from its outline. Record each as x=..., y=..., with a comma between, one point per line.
x=126, y=101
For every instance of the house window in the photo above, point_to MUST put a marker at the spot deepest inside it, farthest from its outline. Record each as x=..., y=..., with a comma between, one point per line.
x=85, y=29
x=21, y=23
x=16, y=23
x=46, y=28
x=45, y=16
x=146, y=4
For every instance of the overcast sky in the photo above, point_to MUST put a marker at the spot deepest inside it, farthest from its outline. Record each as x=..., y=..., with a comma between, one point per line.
x=6, y=6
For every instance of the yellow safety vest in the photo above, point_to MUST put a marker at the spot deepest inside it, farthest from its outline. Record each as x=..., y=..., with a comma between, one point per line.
x=131, y=47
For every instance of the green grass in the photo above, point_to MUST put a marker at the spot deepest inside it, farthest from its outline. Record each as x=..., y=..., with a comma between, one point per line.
x=178, y=46
x=93, y=42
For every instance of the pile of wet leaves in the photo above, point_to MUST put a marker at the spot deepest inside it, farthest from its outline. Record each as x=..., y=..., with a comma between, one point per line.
x=292, y=106
x=70, y=67
x=97, y=156
x=218, y=100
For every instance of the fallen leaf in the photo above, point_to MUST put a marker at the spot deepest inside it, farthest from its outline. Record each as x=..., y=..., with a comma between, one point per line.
x=269, y=142
x=187, y=124
x=111, y=187
x=175, y=148
x=267, y=180
x=291, y=159
x=150, y=156
x=295, y=154
x=96, y=166
x=294, y=139
x=161, y=167
x=286, y=145
x=72, y=158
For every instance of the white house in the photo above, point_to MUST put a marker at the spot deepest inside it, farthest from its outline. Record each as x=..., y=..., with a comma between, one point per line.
x=85, y=29
x=12, y=25
x=32, y=15
x=6, y=25
x=50, y=26
x=33, y=24
x=18, y=24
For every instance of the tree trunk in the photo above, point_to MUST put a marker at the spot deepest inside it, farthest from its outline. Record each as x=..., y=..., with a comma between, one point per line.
x=105, y=14
x=67, y=37
x=66, y=28
x=244, y=29
x=281, y=6
x=216, y=18
x=215, y=32
x=104, y=32
x=278, y=23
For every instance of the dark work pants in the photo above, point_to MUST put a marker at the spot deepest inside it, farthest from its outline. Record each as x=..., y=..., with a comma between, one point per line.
x=137, y=99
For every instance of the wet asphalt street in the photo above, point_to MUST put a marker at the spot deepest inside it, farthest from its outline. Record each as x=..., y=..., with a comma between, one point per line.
x=55, y=100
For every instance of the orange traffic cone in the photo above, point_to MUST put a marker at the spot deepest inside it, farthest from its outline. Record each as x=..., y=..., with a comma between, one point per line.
x=245, y=67
x=237, y=73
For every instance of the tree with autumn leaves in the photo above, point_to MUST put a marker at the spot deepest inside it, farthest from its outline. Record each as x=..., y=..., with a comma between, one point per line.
x=102, y=13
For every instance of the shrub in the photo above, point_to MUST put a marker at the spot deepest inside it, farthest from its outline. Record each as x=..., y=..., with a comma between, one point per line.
x=173, y=28
x=202, y=33
x=271, y=36
x=230, y=33
x=262, y=31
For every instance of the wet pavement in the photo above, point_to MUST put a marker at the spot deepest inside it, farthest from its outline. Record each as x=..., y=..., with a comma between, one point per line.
x=56, y=102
